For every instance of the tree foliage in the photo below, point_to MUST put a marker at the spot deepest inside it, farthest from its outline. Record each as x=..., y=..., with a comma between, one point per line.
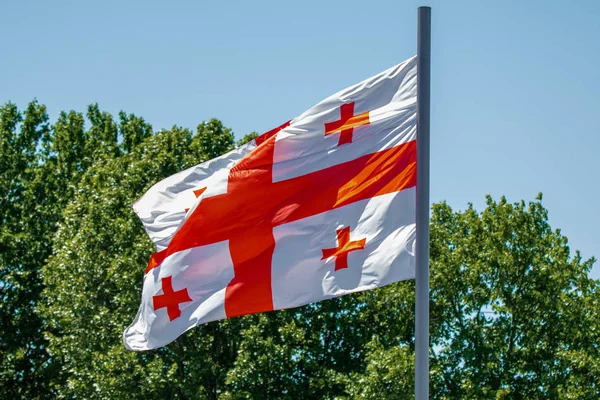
x=511, y=307
x=513, y=313
x=25, y=243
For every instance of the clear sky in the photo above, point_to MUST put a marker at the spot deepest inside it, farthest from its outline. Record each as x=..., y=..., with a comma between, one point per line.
x=515, y=84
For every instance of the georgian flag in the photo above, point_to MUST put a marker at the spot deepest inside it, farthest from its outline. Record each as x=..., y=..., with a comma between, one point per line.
x=320, y=207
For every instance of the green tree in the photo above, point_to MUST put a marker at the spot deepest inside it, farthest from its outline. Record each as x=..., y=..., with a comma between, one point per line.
x=513, y=313
x=93, y=280
x=513, y=302
x=23, y=359
x=248, y=137
x=41, y=169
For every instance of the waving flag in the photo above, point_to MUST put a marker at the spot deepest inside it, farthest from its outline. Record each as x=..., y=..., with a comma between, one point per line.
x=322, y=206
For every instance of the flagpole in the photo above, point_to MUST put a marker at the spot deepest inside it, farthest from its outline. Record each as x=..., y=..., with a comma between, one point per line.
x=422, y=218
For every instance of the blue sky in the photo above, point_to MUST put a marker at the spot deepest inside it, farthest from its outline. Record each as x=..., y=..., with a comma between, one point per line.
x=515, y=84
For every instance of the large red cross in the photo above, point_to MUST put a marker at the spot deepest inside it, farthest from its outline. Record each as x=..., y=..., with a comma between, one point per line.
x=345, y=246
x=170, y=298
x=346, y=124
x=254, y=204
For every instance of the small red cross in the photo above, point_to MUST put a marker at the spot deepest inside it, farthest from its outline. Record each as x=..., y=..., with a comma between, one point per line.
x=345, y=246
x=170, y=298
x=346, y=124
x=197, y=193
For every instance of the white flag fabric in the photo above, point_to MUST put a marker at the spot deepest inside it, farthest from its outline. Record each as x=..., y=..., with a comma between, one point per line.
x=164, y=207
x=320, y=207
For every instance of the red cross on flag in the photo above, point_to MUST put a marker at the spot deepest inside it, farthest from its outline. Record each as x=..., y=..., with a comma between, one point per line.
x=320, y=207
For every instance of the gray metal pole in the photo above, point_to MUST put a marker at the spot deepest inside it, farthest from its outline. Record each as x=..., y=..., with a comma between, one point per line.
x=422, y=244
